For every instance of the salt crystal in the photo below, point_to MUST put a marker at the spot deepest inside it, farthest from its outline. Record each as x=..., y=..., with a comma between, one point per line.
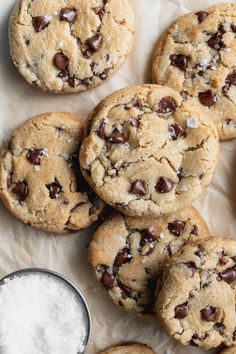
x=183, y=189
x=39, y=314
x=119, y=127
x=105, y=120
x=204, y=62
x=66, y=157
x=162, y=235
x=48, y=18
x=45, y=152
x=192, y=122
x=36, y=168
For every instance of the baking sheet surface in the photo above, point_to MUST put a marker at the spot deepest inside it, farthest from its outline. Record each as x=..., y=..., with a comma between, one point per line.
x=22, y=246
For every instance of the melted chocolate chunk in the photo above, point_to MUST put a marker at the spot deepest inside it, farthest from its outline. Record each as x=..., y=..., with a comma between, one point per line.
x=209, y=314
x=167, y=105
x=147, y=237
x=135, y=123
x=207, y=98
x=184, y=95
x=34, y=156
x=69, y=14
x=229, y=275
x=122, y=257
x=164, y=185
x=73, y=81
x=176, y=227
x=61, y=61
x=40, y=23
x=192, y=266
x=101, y=131
x=138, y=187
x=200, y=254
x=181, y=311
x=21, y=189
x=108, y=279
x=117, y=137
x=104, y=74
x=201, y=16
x=180, y=61
x=195, y=230
x=215, y=40
x=176, y=131
x=54, y=190
x=99, y=11
x=94, y=42
x=229, y=81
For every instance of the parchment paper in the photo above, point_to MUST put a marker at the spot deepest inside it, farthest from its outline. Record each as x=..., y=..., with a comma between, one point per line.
x=22, y=246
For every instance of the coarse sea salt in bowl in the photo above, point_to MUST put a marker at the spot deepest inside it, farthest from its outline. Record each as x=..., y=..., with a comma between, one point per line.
x=42, y=312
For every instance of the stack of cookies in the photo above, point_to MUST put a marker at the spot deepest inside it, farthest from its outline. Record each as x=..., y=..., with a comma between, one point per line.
x=146, y=151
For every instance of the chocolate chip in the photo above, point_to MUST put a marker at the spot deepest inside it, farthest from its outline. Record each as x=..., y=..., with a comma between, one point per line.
x=63, y=73
x=147, y=237
x=104, y=74
x=94, y=42
x=135, y=123
x=181, y=311
x=207, y=98
x=195, y=230
x=164, y=185
x=40, y=22
x=138, y=187
x=117, y=137
x=92, y=210
x=192, y=266
x=176, y=131
x=209, y=314
x=122, y=257
x=69, y=14
x=176, y=227
x=99, y=11
x=184, y=95
x=167, y=105
x=87, y=53
x=54, y=190
x=201, y=15
x=73, y=81
x=21, y=190
x=219, y=327
x=224, y=259
x=108, y=279
x=233, y=27
x=200, y=254
x=229, y=275
x=180, y=61
x=231, y=79
x=61, y=61
x=215, y=41
x=101, y=130
x=34, y=156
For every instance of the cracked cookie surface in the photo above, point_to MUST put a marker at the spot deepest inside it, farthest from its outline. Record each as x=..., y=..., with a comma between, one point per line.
x=196, y=56
x=197, y=299
x=70, y=45
x=146, y=151
x=40, y=179
x=128, y=254
x=129, y=348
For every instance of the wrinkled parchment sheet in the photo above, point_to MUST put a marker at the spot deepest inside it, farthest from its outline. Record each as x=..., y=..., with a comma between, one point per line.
x=21, y=246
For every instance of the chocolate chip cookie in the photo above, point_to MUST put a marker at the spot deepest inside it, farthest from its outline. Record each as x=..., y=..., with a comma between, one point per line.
x=197, y=300
x=128, y=254
x=40, y=179
x=70, y=45
x=129, y=348
x=231, y=350
x=196, y=56
x=148, y=152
